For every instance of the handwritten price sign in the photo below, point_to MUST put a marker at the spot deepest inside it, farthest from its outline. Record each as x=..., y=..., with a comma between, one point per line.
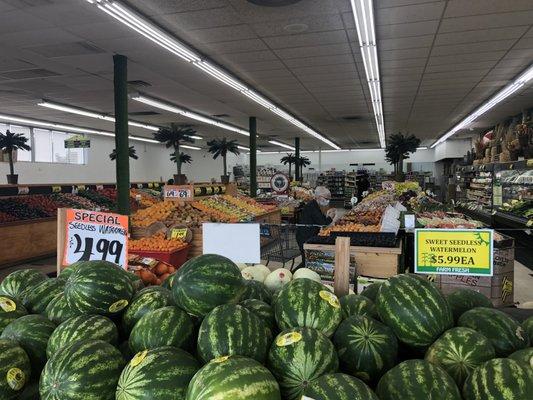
x=172, y=192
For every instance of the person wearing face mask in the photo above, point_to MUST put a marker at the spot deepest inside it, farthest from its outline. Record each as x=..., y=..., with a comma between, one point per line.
x=316, y=213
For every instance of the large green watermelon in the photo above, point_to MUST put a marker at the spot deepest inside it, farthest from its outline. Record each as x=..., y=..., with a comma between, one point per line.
x=355, y=304
x=206, y=281
x=136, y=281
x=414, y=308
x=263, y=310
x=504, y=332
x=167, y=326
x=306, y=303
x=256, y=290
x=163, y=374
x=17, y=282
x=459, y=351
x=366, y=347
x=144, y=301
x=528, y=327
x=37, y=298
x=69, y=270
x=167, y=283
x=499, y=379
x=298, y=356
x=58, y=310
x=233, y=378
x=524, y=356
x=87, y=370
x=417, y=380
x=32, y=332
x=339, y=387
x=82, y=327
x=462, y=300
x=232, y=329
x=10, y=310
x=99, y=287
x=371, y=291
x=15, y=369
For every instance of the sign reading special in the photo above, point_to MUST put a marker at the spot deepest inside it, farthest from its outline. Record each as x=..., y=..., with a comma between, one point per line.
x=454, y=251
x=91, y=235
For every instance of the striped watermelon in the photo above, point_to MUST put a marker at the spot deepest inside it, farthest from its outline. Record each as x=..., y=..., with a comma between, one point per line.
x=366, y=348
x=206, y=281
x=17, y=282
x=82, y=327
x=256, y=290
x=100, y=287
x=167, y=283
x=528, y=327
x=144, y=301
x=371, y=291
x=414, y=308
x=87, y=370
x=163, y=374
x=298, y=356
x=339, y=387
x=355, y=304
x=58, y=309
x=459, y=351
x=70, y=269
x=263, y=310
x=499, y=379
x=417, y=380
x=32, y=333
x=462, y=300
x=524, y=356
x=503, y=331
x=232, y=329
x=306, y=303
x=10, y=310
x=136, y=281
x=167, y=326
x=233, y=378
x=31, y=391
x=15, y=369
x=36, y=299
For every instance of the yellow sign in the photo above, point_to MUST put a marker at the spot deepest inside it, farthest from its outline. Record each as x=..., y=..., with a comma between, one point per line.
x=180, y=233
x=454, y=251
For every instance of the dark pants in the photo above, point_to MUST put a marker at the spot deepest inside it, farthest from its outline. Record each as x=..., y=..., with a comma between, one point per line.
x=302, y=252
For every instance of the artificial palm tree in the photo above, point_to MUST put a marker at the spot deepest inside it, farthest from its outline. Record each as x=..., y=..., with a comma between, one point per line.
x=132, y=153
x=173, y=137
x=398, y=149
x=10, y=142
x=221, y=147
x=301, y=163
x=289, y=159
x=180, y=159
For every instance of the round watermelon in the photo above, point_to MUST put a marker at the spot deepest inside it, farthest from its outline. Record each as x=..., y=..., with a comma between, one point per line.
x=10, y=310
x=82, y=327
x=263, y=310
x=17, y=282
x=417, y=380
x=524, y=356
x=136, y=281
x=69, y=270
x=87, y=370
x=298, y=356
x=306, y=303
x=233, y=378
x=414, y=309
x=36, y=299
x=206, y=281
x=528, y=327
x=58, y=310
x=100, y=287
x=167, y=326
x=501, y=379
x=163, y=374
x=339, y=387
x=462, y=300
x=459, y=351
x=167, y=283
x=366, y=347
x=32, y=333
x=232, y=329
x=503, y=331
x=144, y=301
x=15, y=369
x=355, y=304
x=371, y=291
x=256, y=290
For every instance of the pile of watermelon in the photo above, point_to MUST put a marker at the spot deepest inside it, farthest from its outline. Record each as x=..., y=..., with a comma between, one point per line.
x=95, y=333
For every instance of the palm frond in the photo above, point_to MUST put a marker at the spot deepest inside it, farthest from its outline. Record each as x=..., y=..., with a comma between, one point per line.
x=175, y=134
x=131, y=152
x=182, y=158
x=11, y=141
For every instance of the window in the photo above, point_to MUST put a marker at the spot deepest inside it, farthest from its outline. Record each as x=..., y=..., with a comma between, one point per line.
x=22, y=155
x=62, y=155
x=42, y=140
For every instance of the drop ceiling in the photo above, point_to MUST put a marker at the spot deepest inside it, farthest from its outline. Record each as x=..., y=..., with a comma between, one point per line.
x=438, y=60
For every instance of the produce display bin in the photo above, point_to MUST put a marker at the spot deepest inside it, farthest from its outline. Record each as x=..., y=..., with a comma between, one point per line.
x=175, y=258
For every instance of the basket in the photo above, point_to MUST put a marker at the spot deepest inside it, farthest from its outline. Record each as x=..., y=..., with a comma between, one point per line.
x=175, y=258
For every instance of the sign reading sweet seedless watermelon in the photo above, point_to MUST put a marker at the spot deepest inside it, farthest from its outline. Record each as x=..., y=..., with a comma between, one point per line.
x=454, y=251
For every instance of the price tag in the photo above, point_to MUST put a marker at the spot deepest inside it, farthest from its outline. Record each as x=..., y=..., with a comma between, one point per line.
x=209, y=190
x=178, y=192
x=217, y=189
x=81, y=187
x=150, y=185
x=178, y=233
x=24, y=190
x=156, y=184
x=197, y=191
x=56, y=189
x=91, y=235
x=529, y=162
x=139, y=186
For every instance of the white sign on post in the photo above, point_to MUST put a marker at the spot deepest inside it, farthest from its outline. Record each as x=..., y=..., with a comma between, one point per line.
x=238, y=242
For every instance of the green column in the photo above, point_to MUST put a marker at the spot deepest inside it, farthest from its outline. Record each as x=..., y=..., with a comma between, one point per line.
x=297, y=154
x=253, y=156
x=121, y=133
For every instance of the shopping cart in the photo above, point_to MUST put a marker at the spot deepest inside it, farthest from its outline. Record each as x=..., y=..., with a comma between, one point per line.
x=278, y=244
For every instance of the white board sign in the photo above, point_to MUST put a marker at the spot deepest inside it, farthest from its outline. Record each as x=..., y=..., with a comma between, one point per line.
x=239, y=242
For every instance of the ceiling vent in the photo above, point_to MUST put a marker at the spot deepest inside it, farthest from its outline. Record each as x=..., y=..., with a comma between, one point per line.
x=352, y=118
x=66, y=49
x=144, y=113
x=31, y=3
x=28, y=74
x=273, y=3
x=139, y=83
x=220, y=115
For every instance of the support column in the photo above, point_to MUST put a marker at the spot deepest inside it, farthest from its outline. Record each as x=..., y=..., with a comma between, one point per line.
x=297, y=154
x=253, y=156
x=320, y=160
x=121, y=133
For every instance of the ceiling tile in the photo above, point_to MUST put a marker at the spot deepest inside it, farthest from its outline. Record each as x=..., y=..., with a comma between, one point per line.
x=406, y=30
x=236, y=46
x=320, y=60
x=464, y=58
x=409, y=13
x=481, y=35
x=486, y=21
x=479, y=65
x=406, y=43
x=223, y=33
x=459, y=8
x=208, y=18
x=250, y=56
x=301, y=52
x=306, y=39
x=471, y=48
x=174, y=6
x=19, y=21
x=404, y=54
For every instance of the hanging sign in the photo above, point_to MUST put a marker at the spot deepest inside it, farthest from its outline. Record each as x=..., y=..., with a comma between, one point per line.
x=183, y=193
x=77, y=142
x=279, y=183
x=454, y=251
x=90, y=235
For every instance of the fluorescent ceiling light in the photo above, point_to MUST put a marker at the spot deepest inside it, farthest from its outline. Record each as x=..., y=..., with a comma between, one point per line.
x=422, y=148
x=281, y=144
x=507, y=91
x=363, y=12
x=146, y=28
x=243, y=148
x=196, y=137
x=186, y=146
